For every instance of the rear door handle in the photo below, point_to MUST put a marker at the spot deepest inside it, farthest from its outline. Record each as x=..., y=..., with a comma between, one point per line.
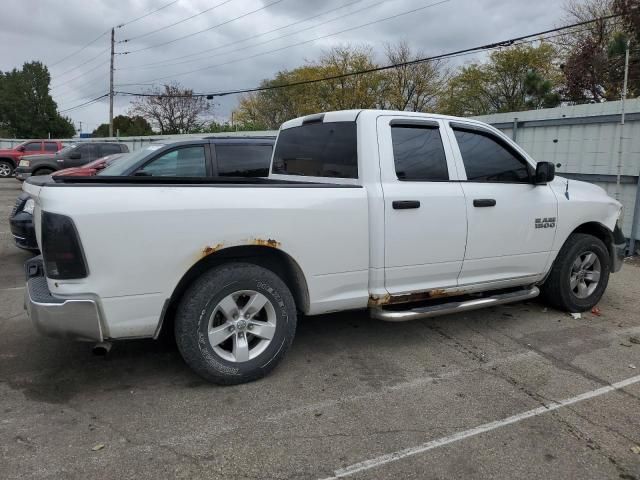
x=484, y=202
x=405, y=204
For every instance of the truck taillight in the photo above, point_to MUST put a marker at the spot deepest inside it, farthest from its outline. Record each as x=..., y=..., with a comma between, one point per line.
x=61, y=249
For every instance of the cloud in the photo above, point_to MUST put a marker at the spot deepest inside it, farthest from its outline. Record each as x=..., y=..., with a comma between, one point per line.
x=49, y=30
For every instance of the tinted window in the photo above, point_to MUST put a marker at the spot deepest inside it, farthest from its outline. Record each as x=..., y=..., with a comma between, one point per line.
x=418, y=153
x=130, y=160
x=182, y=162
x=318, y=150
x=50, y=147
x=109, y=148
x=487, y=159
x=33, y=147
x=85, y=150
x=243, y=160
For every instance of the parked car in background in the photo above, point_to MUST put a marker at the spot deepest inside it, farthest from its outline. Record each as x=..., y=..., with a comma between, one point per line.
x=9, y=158
x=225, y=157
x=21, y=218
x=208, y=157
x=91, y=168
x=74, y=155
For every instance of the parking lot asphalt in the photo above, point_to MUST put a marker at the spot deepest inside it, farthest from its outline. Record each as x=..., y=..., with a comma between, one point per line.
x=518, y=391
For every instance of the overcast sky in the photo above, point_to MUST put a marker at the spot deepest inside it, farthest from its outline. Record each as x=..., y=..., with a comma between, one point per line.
x=50, y=30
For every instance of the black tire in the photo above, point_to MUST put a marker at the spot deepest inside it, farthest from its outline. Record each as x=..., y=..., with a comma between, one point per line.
x=199, y=303
x=6, y=170
x=557, y=291
x=43, y=171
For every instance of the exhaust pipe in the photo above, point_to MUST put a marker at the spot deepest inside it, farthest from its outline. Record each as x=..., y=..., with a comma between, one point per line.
x=101, y=349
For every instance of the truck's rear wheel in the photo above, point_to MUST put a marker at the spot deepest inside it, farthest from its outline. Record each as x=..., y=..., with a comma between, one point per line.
x=579, y=275
x=235, y=323
x=6, y=169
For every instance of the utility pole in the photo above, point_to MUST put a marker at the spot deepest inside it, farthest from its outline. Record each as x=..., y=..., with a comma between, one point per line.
x=80, y=128
x=111, y=84
x=622, y=115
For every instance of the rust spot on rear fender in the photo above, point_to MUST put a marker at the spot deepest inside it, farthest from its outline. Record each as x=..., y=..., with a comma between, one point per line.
x=265, y=243
x=208, y=250
x=388, y=299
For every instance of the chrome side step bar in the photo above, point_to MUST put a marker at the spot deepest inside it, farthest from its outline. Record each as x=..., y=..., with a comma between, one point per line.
x=452, y=307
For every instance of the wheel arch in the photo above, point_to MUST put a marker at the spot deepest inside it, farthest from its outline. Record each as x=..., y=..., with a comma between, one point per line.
x=600, y=231
x=10, y=160
x=271, y=258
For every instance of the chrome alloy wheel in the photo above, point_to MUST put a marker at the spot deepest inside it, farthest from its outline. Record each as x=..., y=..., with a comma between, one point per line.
x=585, y=274
x=5, y=170
x=242, y=326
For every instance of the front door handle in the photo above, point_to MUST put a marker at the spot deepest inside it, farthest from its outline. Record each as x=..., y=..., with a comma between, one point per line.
x=405, y=204
x=484, y=202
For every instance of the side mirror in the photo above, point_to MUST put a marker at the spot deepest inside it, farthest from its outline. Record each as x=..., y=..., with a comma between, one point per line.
x=20, y=148
x=75, y=156
x=545, y=172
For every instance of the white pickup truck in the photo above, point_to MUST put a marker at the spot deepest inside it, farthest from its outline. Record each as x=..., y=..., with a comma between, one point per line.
x=409, y=215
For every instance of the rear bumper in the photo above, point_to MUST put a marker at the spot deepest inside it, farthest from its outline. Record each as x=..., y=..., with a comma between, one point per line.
x=76, y=318
x=23, y=231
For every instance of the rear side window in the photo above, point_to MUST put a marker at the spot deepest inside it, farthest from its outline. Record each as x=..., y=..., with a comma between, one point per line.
x=33, y=147
x=109, y=149
x=318, y=150
x=50, y=147
x=243, y=160
x=182, y=162
x=418, y=153
x=488, y=159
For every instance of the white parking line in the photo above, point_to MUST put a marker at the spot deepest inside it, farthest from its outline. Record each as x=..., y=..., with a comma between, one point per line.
x=407, y=452
x=11, y=288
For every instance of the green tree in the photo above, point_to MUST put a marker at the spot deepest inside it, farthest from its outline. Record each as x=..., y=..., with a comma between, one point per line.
x=26, y=107
x=594, y=55
x=518, y=78
x=126, y=126
x=269, y=108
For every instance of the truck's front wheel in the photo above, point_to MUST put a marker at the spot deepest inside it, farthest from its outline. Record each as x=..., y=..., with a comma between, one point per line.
x=235, y=323
x=579, y=275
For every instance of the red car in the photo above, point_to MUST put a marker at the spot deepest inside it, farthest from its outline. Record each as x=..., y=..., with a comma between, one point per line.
x=90, y=169
x=9, y=158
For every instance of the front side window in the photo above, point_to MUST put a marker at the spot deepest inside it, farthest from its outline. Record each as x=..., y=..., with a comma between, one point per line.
x=33, y=147
x=182, y=162
x=418, y=153
x=318, y=150
x=488, y=159
x=243, y=160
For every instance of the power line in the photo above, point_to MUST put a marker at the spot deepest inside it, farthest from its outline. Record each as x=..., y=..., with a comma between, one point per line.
x=201, y=31
x=81, y=97
x=300, y=43
x=85, y=103
x=80, y=49
x=88, y=82
x=53, y=87
x=368, y=7
x=58, y=75
x=144, y=65
x=145, y=15
x=175, y=23
x=502, y=43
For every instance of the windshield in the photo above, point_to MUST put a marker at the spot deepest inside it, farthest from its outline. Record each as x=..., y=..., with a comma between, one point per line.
x=118, y=168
